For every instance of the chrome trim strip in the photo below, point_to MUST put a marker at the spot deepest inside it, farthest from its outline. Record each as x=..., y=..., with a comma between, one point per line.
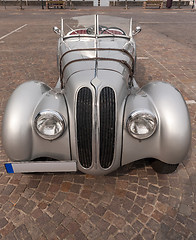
x=130, y=68
x=96, y=49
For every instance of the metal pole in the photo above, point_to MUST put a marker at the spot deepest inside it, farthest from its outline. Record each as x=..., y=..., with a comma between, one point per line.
x=194, y=5
x=21, y=5
x=126, y=6
x=42, y=4
x=179, y=3
x=4, y=3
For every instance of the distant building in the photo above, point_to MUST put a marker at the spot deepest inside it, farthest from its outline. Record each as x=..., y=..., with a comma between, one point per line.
x=103, y=3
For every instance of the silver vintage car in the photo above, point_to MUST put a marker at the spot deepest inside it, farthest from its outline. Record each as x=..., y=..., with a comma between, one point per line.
x=97, y=118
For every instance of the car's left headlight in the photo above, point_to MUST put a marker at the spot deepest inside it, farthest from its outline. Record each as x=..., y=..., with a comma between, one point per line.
x=141, y=124
x=49, y=124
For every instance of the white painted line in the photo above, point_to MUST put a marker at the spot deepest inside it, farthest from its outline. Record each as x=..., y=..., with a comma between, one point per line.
x=150, y=22
x=190, y=102
x=166, y=22
x=13, y=32
x=152, y=12
x=162, y=12
x=169, y=12
x=143, y=58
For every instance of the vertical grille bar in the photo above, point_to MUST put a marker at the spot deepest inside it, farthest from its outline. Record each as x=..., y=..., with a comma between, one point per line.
x=84, y=126
x=107, y=126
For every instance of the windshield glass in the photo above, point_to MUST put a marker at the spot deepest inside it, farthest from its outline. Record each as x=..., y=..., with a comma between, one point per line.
x=97, y=24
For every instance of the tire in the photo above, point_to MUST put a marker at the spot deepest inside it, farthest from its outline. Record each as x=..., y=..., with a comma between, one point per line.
x=163, y=168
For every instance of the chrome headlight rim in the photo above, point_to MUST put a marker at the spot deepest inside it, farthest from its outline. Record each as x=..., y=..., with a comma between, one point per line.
x=146, y=115
x=52, y=113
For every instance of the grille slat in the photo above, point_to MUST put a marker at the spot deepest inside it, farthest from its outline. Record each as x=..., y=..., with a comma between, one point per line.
x=107, y=126
x=84, y=126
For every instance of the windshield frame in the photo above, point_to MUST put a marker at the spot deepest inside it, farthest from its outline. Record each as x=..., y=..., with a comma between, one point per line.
x=97, y=30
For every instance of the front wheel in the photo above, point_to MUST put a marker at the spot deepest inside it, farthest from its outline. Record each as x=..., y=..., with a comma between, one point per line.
x=163, y=168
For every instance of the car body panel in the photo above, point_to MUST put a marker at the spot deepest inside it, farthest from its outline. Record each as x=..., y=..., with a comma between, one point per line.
x=96, y=95
x=20, y=140
x=171, y=141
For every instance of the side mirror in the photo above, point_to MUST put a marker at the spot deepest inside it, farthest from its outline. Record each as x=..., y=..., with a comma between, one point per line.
x=57, y=30
x=137, y=30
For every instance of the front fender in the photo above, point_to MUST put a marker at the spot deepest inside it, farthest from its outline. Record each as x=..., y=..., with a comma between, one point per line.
x=17, y=131
x=175, y=124
x=172, y=139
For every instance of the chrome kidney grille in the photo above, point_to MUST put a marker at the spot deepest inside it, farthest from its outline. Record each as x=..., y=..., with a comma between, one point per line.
x=107, y=126
x=84, y=126
x=107, y=113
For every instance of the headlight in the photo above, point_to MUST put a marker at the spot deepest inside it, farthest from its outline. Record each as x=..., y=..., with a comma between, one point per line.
x=141, y=124
x=49, y=124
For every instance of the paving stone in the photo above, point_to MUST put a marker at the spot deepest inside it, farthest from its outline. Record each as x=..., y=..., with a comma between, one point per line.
x=147, y=234
x=153, y=189
x=157, y=216
x=81, y=218
x=58, y=218
x=33, y=183
x=153, y=225
x=28, y=193
x=8, y=190
x=95, y=234
x=89, y=209
x=173, y=235
x=43, y=187
x=49, y=228
x=7, y=207
x=148, y=209
x=134, y=202
x=21, y=232
x=136, y=209
x=10, y=236
x=140, y=201
x=3, y=199
x=65, y=186
x=3, y=222
x=60, y=197
x=79, y=235
x=192, y=237
x=138, y=237
x=75, y=188
x=137, y=226
x=62, y=232
x=182, y=230
x=43, y=219
x=33, y=229
x=43, y=205
x=191, y=225
x=66, y=221
x=28, y=208
x=100, y=210
x=185, y=209
x=120, y=236
x=87, y=227
x=109, y=216
x=119, y=222
x=7, y=229
x=151, y=198
x=73, y=226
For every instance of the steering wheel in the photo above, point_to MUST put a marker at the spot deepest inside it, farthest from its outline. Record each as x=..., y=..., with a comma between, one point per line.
x=91, y=29
x=113, y=29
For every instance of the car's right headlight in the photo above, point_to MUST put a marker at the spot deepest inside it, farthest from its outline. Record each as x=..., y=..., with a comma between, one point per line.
x=49, y=124
x=141, y=124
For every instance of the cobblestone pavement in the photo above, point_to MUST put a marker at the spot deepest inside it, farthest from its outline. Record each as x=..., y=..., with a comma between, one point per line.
x=132, y=203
